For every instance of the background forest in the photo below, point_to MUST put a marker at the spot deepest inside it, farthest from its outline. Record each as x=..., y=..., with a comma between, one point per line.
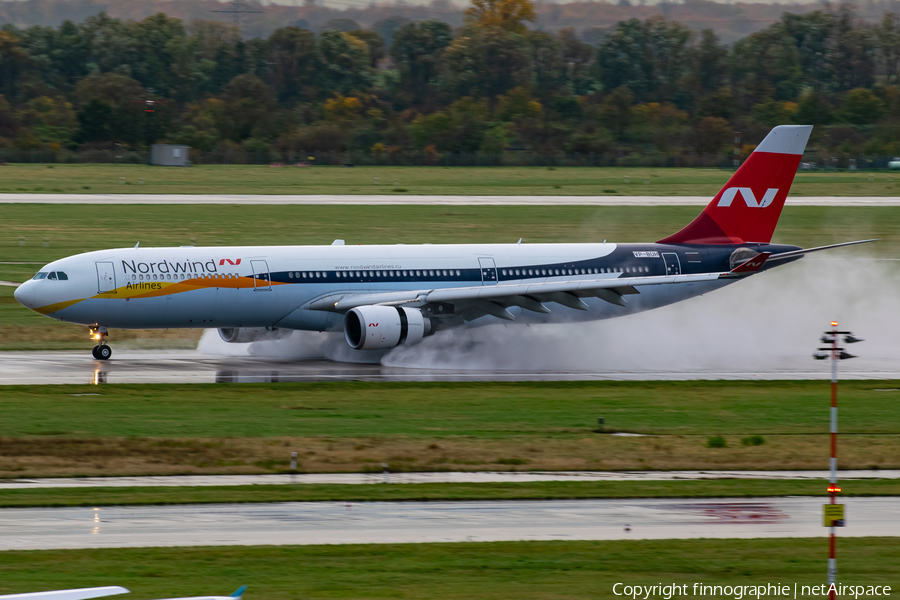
x=651, y=89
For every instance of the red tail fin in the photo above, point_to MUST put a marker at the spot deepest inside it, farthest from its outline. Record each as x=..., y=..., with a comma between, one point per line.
x=748, y=207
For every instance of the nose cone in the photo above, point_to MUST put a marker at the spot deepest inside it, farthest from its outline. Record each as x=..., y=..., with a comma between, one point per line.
x=24, y=294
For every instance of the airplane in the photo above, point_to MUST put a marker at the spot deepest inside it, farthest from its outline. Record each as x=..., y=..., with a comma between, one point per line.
x=382, y=296
x=77, y=594
x=100, y=592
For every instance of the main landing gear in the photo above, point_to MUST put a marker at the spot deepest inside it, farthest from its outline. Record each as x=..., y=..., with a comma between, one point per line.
x=101, y=351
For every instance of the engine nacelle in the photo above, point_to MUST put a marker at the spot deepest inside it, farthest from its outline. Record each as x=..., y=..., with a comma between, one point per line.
x=380, y=327
x=244, y=335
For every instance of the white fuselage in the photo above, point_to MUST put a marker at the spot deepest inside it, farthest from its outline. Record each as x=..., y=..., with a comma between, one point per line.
x=273, y=286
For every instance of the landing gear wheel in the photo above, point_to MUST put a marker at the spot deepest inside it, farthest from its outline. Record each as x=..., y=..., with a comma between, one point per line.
x=101, y=351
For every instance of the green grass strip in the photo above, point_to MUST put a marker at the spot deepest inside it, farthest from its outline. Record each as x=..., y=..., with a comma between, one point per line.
x=434, y=410
x=570, y=570
x=545, y=490
x=401, y=181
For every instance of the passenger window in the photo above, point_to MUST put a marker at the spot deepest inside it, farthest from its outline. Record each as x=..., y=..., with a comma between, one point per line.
x=52, y=276
x=458, y=273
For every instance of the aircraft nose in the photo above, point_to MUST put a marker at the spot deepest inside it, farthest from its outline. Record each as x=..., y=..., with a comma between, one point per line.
x=24, y=294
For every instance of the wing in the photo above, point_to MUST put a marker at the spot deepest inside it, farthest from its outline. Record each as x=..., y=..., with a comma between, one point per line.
x=79, y=594
x=476, y=301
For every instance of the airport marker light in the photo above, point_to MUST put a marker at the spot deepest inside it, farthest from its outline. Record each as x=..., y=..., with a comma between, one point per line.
x=835, y=354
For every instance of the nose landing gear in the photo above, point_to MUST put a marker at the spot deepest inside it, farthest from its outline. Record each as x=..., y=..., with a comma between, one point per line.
x=101, y=351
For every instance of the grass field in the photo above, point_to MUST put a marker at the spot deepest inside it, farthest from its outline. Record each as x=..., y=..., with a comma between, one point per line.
x=72, y=229
x=545, y=490
x=355, y=426
x=497, y=571
x=467, y=181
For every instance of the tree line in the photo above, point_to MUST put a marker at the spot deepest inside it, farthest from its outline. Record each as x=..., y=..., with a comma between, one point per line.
x=493, y=85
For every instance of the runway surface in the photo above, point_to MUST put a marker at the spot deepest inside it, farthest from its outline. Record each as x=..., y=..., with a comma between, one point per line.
x=28, y=368
x=413, y=522
x=442, y=477
x=419, y=200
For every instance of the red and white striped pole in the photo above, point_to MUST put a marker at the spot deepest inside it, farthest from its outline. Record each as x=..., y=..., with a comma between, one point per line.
x=833, y=488
x=835, y=516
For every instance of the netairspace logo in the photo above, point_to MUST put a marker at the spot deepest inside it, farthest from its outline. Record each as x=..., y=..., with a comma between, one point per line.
x=738, y=592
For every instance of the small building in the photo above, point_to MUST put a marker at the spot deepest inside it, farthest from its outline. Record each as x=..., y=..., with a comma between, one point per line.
x=170, y=155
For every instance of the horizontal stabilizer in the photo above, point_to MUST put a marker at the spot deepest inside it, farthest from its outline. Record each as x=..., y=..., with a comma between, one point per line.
x=793, y=253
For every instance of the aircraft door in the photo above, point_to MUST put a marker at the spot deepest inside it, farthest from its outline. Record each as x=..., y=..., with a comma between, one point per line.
x=488, y=271
x=673, y=265
x=106, y=277
x=261, y=279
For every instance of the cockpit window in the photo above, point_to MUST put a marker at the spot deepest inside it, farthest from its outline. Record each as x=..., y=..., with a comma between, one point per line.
x=40, y=275
x=62, y=276
x=51, y=276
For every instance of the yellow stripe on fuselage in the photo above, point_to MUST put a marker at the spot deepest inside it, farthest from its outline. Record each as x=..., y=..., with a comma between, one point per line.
x=154, y=289
x=56, y=306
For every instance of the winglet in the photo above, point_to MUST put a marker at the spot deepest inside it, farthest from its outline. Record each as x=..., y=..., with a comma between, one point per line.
x=751, y=266
x=239, y=593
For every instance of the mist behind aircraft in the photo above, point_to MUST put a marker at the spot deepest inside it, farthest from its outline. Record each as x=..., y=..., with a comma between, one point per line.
x=769, y=324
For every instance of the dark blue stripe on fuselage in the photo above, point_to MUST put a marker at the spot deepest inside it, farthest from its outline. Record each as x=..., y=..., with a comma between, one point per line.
x=692, y=259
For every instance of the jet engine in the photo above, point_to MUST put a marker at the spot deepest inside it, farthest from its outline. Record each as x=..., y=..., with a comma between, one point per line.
x=244, y=335
x=380, y=327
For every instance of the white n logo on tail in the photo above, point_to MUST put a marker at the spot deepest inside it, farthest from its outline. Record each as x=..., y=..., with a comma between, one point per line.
x=747, y=194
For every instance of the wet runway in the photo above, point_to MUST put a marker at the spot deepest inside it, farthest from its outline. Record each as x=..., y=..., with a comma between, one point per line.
x=414, y=522
x=435, y=477
x=408, y=199
x=27, y=368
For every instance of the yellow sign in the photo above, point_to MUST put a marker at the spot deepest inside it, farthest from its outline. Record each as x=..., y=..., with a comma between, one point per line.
x=833, y=515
